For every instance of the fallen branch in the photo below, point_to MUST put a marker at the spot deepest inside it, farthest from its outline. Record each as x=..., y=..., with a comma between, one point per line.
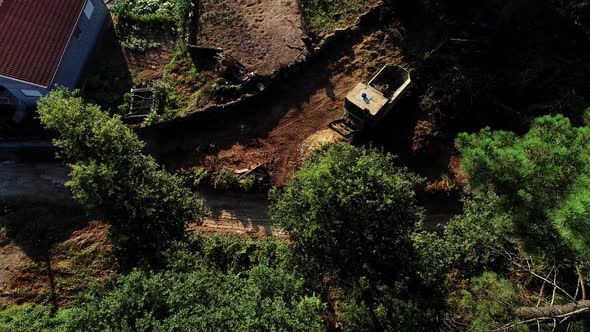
x=577, y=310
x=529, y=269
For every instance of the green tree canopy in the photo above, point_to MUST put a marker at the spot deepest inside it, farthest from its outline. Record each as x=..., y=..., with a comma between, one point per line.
x=215, y=283
x=145, y=206
x=541, y=176
x=470, y=241
x=349, y=211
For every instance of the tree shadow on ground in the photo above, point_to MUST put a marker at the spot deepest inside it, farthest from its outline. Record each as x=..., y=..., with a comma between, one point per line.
x=37, y=228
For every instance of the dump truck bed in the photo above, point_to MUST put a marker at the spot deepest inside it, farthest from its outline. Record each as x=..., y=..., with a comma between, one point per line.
x=391, y=81
x=367, y=103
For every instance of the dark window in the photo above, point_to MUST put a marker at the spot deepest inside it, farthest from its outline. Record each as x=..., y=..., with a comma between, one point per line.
x=78, y=32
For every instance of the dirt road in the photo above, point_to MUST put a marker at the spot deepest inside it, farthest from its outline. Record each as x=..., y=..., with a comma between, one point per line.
x=239, y=213
x=43, y=182
x=35, y=181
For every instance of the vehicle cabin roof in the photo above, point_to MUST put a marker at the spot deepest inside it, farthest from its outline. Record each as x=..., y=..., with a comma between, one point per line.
x=372, y=101
x=33, y=37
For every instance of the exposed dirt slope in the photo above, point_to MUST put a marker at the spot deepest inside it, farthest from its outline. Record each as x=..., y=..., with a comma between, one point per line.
x=12, y=259
x=262, y=34
x=273, y=131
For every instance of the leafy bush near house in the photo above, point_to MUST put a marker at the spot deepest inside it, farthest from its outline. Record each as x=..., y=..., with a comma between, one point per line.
x=145, y=206
x=138, y=21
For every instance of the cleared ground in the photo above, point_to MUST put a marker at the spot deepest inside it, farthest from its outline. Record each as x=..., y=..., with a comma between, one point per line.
x=262, y=34
x=274, y=132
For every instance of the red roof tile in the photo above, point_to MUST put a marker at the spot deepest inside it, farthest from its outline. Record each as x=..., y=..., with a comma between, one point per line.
x=34, y=35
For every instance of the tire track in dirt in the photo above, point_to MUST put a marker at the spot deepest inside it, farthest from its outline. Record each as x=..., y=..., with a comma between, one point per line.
x=238, y=213
x=272, y=131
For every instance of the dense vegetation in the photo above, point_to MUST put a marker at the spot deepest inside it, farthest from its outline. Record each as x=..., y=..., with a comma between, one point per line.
x=521, y=238
x=357, y=254
x=328, y=15
x=349, y=213
x=138, y=21
x=541, y=177
x=517, y=257
x=222, y=283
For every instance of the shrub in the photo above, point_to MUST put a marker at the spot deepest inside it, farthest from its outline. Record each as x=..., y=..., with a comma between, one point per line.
x=226, y=179
x=199, y=174
x=248, y=183
x=349, y=211
x=221, y=283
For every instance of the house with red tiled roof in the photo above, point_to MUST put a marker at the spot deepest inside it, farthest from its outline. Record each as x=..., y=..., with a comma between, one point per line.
x=44, y=43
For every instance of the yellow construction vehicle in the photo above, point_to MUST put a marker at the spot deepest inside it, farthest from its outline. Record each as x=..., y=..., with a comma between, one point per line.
x=368, y=103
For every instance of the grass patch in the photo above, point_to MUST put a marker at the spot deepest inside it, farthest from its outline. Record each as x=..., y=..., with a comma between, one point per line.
x=180, y=88
x=328, y=15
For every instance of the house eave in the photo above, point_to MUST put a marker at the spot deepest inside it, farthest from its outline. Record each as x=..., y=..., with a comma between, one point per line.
x=21, y=81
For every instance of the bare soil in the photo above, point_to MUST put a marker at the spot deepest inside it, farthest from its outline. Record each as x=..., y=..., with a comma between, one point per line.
x=262, y=34
x=238, y=213
x=151, y=64
x=60, y=274
x=50, y=252
x=319, y=140
x=274, y=131
x=12, y=259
